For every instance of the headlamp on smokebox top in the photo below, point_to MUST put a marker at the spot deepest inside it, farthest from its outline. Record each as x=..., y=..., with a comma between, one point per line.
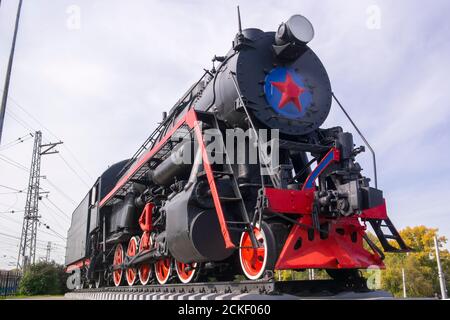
x=292, y=37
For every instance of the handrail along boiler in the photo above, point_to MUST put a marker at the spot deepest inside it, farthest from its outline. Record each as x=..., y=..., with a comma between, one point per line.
x=156, y=219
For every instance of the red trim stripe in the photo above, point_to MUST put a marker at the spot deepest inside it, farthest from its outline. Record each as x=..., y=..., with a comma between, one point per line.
x=78, y=265
x=193, y=122
x=142, y=161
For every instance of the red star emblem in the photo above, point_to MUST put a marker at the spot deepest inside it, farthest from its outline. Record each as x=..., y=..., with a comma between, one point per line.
x=290, y=92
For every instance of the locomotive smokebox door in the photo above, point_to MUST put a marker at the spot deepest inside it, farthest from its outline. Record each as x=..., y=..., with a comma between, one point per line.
x=193, y=233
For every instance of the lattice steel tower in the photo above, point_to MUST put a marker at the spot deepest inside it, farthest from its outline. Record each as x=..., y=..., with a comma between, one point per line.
x=27, y=249
x=48, y=251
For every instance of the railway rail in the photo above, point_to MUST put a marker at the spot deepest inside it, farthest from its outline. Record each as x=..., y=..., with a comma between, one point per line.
x=243, y=290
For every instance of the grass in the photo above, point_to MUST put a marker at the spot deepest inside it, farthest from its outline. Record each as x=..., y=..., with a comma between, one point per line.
x=21, y=296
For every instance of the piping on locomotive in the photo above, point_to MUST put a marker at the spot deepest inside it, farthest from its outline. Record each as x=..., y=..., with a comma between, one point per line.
x=154, y=219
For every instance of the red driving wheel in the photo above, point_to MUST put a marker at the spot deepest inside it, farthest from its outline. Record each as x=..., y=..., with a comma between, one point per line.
x=145, y=270
x=163, y=269
x=132, y=250
x=253, y=260
x=118, y=260
x=186, y=271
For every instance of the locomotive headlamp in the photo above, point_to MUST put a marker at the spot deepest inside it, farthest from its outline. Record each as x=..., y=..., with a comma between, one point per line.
x=300, y=29
x=297, y=29
x=292, y=36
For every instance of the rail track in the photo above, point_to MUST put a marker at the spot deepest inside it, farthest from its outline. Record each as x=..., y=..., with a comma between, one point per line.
x=243, y=290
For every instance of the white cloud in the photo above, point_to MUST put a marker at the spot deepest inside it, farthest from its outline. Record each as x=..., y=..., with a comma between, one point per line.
x=102, y=88
x=76, y=78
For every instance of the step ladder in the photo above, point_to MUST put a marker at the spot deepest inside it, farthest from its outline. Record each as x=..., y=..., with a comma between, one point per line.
x=235, y=201
x=384, y=238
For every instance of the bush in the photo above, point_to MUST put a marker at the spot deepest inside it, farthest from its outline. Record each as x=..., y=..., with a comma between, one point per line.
x=43, y=278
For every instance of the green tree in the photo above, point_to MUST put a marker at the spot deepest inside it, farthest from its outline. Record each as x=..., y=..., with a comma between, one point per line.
x=287, y=275
x=420, y=270
x=43, y=278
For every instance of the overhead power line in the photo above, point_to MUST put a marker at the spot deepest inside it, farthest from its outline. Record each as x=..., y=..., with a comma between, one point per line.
x=12, y=192
x=29, y=127
x=74, y=171
x=56, y=212
x=13, y=162
x=57, y=234
x=16, y=142
x=12, y=211
x=54, y=221
x=9, y=236
x=78, y=162
x=54, y=234
x=10, y=220
x=9, y=206
x=65, y=195
x=10, y=188
x=58, y=208
x=50, y=132
x=33, y=118
x=19, y=120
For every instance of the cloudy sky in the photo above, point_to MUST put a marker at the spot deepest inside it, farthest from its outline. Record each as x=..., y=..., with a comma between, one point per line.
x=98, y=74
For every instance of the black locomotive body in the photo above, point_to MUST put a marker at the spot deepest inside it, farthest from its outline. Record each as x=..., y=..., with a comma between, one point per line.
x=186, y=206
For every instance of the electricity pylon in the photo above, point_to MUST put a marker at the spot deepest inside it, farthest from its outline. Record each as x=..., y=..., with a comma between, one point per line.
x=27, y=249
x=48, y=251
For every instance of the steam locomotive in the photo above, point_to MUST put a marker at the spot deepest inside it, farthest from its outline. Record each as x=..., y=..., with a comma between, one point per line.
x=289, y=195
